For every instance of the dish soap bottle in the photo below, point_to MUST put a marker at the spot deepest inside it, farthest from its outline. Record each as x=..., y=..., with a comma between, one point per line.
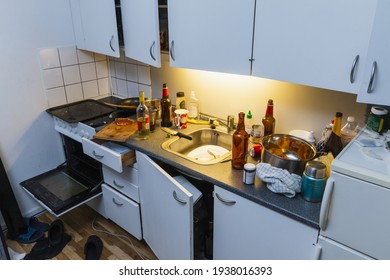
x=348, y=132
x=240, y=143
x=143, y=120
x=166, y=108
x=269, y=120
x=193, y=107
x=334, y=144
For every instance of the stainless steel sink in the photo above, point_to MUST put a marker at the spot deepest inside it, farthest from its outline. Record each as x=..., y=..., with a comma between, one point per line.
x=213, y=141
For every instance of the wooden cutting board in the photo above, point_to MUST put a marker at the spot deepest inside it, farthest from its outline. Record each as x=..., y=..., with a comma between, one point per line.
x=118, y=131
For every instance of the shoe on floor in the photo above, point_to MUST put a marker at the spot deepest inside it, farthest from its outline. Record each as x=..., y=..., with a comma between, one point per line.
x=93, y=248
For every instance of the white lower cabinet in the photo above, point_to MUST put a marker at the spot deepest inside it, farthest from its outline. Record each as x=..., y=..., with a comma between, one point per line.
x=327, y=249
x=246, y=230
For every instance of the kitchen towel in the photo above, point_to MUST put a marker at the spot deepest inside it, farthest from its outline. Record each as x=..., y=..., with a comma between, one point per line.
x=279, y=180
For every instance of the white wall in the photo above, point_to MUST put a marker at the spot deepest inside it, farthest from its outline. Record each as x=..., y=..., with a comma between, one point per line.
x=295, y=106
x=28, y=143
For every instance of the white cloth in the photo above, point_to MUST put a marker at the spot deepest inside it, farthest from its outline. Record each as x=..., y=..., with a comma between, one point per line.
x=279, y=180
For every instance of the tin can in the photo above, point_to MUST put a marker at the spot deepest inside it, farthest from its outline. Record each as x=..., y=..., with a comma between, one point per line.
x=255, y=151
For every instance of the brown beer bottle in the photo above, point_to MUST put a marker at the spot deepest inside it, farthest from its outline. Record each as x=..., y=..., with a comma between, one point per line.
x=166, y=108
x=334, y=143
x=269, y=120
x=240, y=143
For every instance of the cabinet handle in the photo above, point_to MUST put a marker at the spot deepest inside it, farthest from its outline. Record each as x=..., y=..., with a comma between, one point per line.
x=96, y=155
x=225, y=201
x=112, y=48
x=151, y=50
x=117, y=185
x=178, y=199
x=317, y=252
x=116, y=203
x=372, y=78
x=326, y=203
x=352, y=74
x=171, y=50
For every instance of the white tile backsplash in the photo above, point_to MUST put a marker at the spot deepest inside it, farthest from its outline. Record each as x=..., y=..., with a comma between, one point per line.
x=144, y=75
x=120, y=70
x=132, y=89
x=147, y=89
x=49, y=58
x=68, y=56
x=121, y=86
x=52, y=78
x=71, y=75
x=131, y=72
x=88, y=72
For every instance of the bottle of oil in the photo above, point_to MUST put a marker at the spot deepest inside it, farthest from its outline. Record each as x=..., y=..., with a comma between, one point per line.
x=334, y=143
x=143, y=120
x=269, y=120
x=240, y=143
x=166, y=108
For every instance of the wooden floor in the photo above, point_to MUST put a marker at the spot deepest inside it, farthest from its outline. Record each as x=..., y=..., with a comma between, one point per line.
x=82, y=222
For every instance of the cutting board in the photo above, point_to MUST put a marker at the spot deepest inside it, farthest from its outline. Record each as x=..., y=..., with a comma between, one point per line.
x=120, y=132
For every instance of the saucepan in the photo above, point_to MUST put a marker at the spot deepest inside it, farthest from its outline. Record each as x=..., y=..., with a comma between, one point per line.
x=132, y=103
x=287, y=152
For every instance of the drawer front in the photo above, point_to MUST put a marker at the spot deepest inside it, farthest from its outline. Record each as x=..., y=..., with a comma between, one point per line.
x=122, y=211
x=109, y=157
x=125, y=182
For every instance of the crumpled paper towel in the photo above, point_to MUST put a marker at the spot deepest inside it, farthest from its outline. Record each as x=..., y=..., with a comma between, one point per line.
x=279, y=180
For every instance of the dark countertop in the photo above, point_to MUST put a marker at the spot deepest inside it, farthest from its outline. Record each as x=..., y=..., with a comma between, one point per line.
x=224, y=176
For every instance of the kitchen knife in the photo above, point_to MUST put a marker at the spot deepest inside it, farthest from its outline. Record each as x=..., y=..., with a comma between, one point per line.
x=176, y=133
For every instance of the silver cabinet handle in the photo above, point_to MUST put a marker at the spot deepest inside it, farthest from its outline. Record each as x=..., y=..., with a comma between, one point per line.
x=372, y=78
x=96, y=155
x=112, y=48
x=116, y=203
x=225, y=201
x=352, y=74
x=326, y=203
x=151, y=50
x=178, y=199
x=171, y=50
x=117, y=185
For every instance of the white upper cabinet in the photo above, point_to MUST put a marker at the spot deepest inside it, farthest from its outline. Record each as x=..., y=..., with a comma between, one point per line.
x=141, y=30
x=319, y=43
x=95, y=26
x=375, y=88
x=211, y=35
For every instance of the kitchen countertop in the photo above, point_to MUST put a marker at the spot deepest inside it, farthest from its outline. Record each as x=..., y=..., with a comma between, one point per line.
x=224, y=176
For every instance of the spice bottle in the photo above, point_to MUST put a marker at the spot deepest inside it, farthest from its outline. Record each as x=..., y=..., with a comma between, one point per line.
x=240, y=143
x=166, y=108
x=180, y=100
x=334, y=143
x=143, y=120
x=269, y=120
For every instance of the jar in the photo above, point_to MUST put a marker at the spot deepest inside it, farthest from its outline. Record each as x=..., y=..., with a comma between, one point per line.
x=313, y=181
x=249, y=173
x=377, y=118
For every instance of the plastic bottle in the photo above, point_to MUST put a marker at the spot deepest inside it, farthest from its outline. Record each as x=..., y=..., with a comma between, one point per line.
x=320, y=147
x=334, y=144
x=269, y=120
x=166, y=108
x=240, y=143
x=248, y=122
x=348, y=131
x=193, y=107
x=143, y=120
x=180, y=100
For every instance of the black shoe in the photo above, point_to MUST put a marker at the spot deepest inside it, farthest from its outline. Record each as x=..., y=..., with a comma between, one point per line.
x=93, y=248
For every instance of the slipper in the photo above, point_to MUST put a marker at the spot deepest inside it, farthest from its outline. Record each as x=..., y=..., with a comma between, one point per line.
x=93, y=248
x=36, y=224
x=31, y=236
x=56, y=232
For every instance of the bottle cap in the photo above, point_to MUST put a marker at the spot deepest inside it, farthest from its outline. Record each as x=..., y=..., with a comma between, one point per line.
x=378, y=111
x=350, y=119
x=249, y=115
x=180, y=94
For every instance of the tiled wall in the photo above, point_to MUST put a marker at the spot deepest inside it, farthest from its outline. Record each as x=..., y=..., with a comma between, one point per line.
x=71, y=75
x=129, y=77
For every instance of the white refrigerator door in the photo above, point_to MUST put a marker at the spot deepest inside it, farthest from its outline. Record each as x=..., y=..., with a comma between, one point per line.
x=356, y=214
x=328, y=249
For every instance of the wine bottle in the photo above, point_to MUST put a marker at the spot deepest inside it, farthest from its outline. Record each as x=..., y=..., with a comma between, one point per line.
x=166, y=108
x=334, y=144
x=143, y=120
x=240, y=143
x=268, y=119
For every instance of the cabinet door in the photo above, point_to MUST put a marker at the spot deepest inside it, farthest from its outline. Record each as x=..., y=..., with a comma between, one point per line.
x=314, y=43
x=375, y=88
x=166, y=211
x=211, y=35
x=246, y=230
x=329, y=250
x=95, y=26
x=141, y=30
